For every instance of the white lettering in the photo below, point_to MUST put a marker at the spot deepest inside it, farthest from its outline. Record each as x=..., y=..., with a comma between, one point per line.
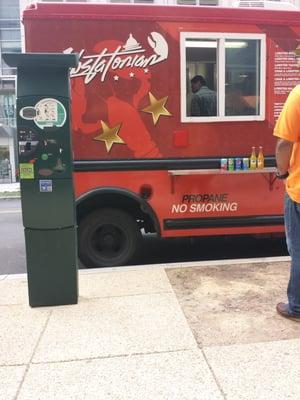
x=212, y=207
x=124, y=56
x=179, y=208
x=204, y=207
x=233, y=207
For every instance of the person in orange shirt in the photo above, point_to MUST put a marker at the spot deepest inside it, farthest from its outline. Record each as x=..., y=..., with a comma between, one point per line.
x=287, y=129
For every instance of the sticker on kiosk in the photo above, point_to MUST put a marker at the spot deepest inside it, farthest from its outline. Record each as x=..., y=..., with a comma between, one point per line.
x=26, y=171
x=46, y=113
x=46, y=185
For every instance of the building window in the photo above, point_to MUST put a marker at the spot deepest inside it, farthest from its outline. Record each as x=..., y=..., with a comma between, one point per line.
x=197, y=2
x=9, y=46
x=132, y=1
x=9, y=9
x=222, y=77
x=7, y=109
x=5, y=166
x=10, y=35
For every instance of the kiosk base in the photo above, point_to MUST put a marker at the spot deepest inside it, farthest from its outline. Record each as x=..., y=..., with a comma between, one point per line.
x=52, y=266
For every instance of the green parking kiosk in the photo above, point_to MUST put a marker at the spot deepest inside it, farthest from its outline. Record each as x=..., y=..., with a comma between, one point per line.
x=45, y=169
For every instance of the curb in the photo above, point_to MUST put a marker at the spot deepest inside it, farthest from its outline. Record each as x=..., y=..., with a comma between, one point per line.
x=179, y=265
x=10, y=195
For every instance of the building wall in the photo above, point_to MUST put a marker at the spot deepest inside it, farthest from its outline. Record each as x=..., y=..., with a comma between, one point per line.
x=10, y=41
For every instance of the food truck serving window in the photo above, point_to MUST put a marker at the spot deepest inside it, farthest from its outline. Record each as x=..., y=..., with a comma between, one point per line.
x=222, y=77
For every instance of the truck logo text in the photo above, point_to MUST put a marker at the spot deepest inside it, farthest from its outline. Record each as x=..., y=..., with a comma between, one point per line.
x=128, y=56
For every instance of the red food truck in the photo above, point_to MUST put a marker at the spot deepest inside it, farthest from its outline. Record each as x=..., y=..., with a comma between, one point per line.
x=145, y=160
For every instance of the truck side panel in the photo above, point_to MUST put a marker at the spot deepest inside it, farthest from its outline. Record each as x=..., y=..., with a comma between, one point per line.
x=128, y=93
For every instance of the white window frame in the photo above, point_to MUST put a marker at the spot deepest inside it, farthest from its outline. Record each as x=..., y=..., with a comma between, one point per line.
x=221, y=37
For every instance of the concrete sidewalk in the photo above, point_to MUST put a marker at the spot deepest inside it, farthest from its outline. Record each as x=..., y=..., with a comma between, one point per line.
x=153, y=333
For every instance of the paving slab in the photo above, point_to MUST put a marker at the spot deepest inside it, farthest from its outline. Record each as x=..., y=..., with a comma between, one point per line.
x=234, y=303
x=10, y=379
x=20, y=329
x=165, y=376
x=260, y=371
x=13, y=291
x=115, y=326
x=123, y=283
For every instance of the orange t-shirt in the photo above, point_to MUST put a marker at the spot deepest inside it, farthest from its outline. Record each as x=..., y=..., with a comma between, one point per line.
x=288, y=128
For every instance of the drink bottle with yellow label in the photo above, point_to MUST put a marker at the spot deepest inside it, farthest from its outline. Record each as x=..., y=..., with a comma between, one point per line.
x=253, y=159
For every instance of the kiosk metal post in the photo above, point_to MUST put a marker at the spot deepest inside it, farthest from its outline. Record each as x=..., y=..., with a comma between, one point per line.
x=45, y=170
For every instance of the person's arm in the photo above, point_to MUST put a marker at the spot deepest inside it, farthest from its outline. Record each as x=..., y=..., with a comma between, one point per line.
x=283, y=155
x=287, y=130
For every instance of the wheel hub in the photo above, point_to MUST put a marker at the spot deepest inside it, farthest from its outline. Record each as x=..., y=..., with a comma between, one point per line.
x=108, y=240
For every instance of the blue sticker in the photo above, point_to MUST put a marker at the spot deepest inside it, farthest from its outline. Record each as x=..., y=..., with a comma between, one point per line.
x=46, y=185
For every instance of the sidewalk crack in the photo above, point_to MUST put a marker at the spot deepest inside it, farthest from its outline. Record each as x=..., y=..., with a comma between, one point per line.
x=213, y=374
x=104, y=357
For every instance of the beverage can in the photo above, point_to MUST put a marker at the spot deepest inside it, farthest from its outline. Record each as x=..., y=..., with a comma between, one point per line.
x=238, y=163
x=230, y=164
x=224, y=164
x=246, y=163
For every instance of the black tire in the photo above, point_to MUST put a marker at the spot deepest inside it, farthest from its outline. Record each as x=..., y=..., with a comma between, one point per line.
x=108, y=237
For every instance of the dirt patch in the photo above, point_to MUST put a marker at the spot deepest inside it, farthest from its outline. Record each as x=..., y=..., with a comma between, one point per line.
x=231, y=304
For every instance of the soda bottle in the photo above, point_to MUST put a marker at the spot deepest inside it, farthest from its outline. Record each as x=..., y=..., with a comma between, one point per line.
x=260, y=158
x=253, y=159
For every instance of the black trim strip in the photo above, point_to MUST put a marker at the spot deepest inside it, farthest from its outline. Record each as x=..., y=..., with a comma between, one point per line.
x=155, y=164
x=223, y=222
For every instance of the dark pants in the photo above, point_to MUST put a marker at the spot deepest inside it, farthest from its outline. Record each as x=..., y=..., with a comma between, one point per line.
x=292, y=230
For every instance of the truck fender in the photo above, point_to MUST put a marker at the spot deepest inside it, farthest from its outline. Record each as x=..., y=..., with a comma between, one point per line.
x=117, y=193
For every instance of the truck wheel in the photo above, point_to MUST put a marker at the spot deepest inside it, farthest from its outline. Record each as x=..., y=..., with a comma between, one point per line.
x=107, y=238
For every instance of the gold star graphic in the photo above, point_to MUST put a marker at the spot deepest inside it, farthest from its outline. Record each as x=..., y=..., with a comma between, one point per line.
x=109, y=136
x=157, y=108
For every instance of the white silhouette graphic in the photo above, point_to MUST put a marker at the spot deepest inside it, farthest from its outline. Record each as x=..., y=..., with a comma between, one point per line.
x=159, y=45
x=131, y=44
